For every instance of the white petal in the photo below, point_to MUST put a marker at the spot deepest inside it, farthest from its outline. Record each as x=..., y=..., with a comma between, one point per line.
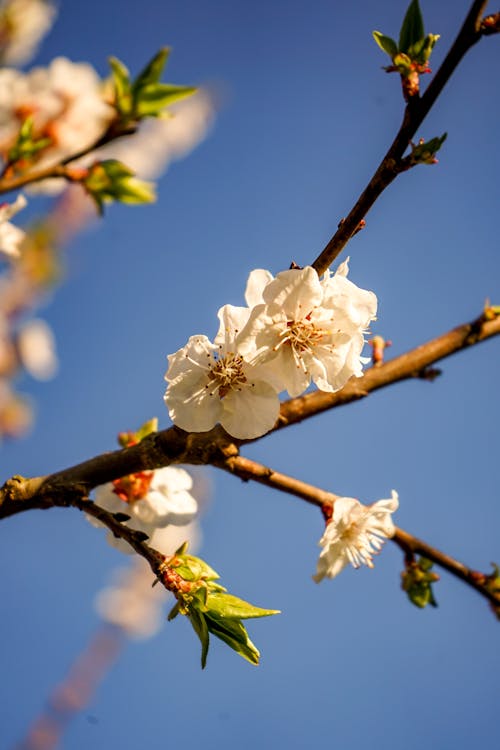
x=251, y=412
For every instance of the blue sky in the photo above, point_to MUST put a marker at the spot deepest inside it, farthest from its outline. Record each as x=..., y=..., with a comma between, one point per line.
x=305, y=114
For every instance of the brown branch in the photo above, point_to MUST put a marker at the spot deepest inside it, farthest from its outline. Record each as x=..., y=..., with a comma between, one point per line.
x=416, y=111
x=412, y=364
x=59, y=170
x=253, y=471
x=174, y=446
x=473, y=578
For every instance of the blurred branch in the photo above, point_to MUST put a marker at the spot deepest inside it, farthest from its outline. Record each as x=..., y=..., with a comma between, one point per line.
x=415, y=112
x=59, y=170
x=175, y=446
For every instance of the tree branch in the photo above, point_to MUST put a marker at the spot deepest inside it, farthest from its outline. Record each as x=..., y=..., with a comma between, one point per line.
x=174, y=446
x=412, y=364
x=59, y=170
x=251, y=470
x=473, y=578
x=415, y=112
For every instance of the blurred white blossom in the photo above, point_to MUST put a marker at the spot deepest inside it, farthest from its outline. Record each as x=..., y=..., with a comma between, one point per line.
x=354, y=534
x=166, y=501
x=23, y=23
x=37, y=349
x=162, y=140
x=65, y=101
x=11, y=236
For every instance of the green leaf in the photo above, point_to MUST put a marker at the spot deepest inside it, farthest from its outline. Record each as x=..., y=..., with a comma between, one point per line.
x=192, y=568
x=235, y=635
x=417, y=580
x=121, y=81
x=174, y=611
x=200, y=627
x=412, y=28
x=154, y=98
x=226, y=606
x=425, y=153
x=153, y=70
x=110, y=180
x=147, y=429
x=26, y=145
x=385, y=43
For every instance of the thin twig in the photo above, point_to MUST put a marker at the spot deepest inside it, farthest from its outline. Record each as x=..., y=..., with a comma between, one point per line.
x=411, y=544
x=253, y=471
x=416, y=111
x=59, y=170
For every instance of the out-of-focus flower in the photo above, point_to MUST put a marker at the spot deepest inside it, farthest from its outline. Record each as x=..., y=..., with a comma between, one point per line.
x=66, y=105
x=23, y=23
x=16, y=414
x=307, y=329
x=166, y=500
x=354, y=534
x=210, y=383
x=37, y=350
x=11, y=236
x=159, y=141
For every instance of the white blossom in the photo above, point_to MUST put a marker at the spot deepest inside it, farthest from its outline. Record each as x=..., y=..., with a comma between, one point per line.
x=306, y=329
x=167, y=501
x=23, y=23
x=11, y=237
x=66, y=103
x=212, y=382
x=36, y=347
x=354, y=534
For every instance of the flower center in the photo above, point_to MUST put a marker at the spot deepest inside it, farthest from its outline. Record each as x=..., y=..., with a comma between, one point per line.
x=302, y=335
x=227, y=374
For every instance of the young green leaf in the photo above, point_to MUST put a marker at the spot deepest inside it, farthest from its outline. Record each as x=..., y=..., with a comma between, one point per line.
x=152, y=100
x=385, y=43
x=235, y=635
x=220, y=605
x=153, y=70
x=412, y=29
x=197, y=620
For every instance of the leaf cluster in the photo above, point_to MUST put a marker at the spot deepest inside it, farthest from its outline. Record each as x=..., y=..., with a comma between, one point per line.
x=211, y=610
x=146, y=96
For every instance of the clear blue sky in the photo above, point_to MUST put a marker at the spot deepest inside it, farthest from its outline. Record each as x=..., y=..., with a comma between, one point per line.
x=305, y=115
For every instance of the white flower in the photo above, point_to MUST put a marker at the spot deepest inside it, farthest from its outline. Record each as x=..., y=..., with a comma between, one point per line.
x=22, y=25
x=66, y=103
x=36, y=347
x=307, y=329
x=210, y=383
x=354, y=534
x=11, y=237
x=167, y=501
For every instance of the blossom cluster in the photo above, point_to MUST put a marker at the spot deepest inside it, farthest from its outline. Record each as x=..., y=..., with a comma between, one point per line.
x=65, y=102
x=296, y=329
